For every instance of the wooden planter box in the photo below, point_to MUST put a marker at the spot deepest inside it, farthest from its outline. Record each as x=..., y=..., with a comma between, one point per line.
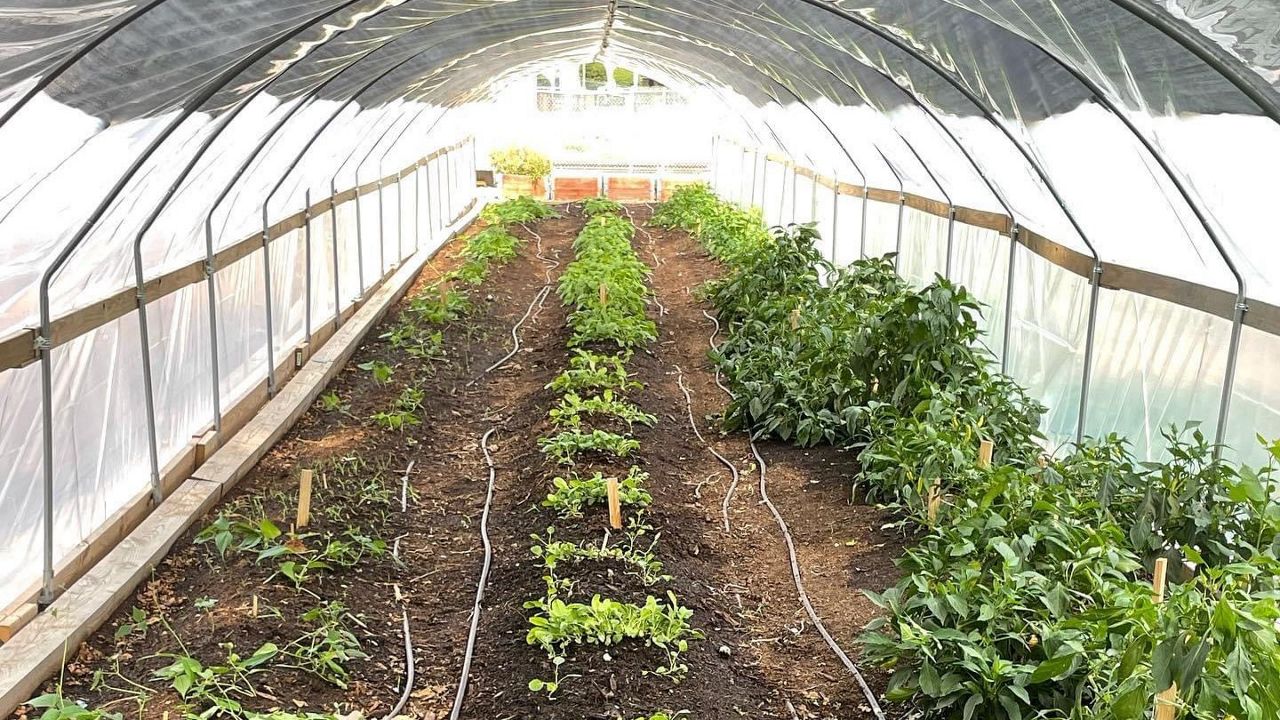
x=568, y=189
x=629, y=189
x=514, y=186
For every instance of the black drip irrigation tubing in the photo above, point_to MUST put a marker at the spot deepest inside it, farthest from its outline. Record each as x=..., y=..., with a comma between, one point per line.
x=538, y=300
x=791, y=554
x=480, y=587
x=409, y=661
x=733, y=469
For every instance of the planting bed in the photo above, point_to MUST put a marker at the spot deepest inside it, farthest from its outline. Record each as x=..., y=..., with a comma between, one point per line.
x=752, y=651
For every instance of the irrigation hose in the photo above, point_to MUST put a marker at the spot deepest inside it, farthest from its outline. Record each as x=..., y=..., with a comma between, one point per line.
x=409, y=661
x=484, y=579
x=733, y=486
x=409, y=665
x=791, y=555
x=733, y=469
x=538, y=301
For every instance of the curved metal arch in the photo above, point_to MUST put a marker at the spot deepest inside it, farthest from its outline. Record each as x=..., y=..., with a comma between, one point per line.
x=1029, y=157
x=1248, y=83
x=43, y=340
x=1099, y=95
x=76, y=56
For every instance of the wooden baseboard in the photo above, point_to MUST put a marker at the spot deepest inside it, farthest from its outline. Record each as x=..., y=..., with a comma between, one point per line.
x=136, y=540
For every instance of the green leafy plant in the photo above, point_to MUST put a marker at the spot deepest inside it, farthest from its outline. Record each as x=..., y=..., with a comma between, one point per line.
x=517, y=211
x=330, y=402
x=566, y=446
x=572, y=494
x=592, y=371
x=213, y=689
x=136, y=626
x=491, y=245
x=592, y=207
x=56, y=706
x=554, y=554
x=573, y=408
x=520, y=161
x=380, y=370
x=326, y=649
x=558, y=626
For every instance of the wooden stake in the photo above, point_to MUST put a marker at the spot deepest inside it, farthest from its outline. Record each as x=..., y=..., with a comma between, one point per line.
x=615, y=504
x=304, y=499
x=935, y=500
x=1158, y=578
x=795, y=318
x=985, y=450
x=1166, y=701
x=604, y=294
x=254, y=606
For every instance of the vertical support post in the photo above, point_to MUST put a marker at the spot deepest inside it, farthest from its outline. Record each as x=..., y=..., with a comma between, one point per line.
x=897, y=242
x=715, y=158
x=782, y=194
x=951, y=235
x=1008, y=298
x=44, y=346
x=306, y=219
x=333, y=220
x=401, y=214
x=1166, y=703
x=795, y=186
x=764, y=188
x=1086, y=377
x=417, y=206
x=448, y=188
x=359, y=232
x=1229, y=379
x=755, y=169
x=835, y=212
x=742, y=176
x=148, y=391
x=211, y=285
x=862, y=238
x=382, y=234
x=271, y=327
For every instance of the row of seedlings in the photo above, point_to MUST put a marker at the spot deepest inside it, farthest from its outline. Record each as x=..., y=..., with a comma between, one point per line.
x=1037, y=586
x=593, y=452
x=297, y=548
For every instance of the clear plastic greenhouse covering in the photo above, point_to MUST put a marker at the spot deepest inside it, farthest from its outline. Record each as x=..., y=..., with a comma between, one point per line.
x=1101, y=173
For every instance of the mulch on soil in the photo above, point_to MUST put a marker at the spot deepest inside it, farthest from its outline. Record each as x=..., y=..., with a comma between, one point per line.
x=760, y=659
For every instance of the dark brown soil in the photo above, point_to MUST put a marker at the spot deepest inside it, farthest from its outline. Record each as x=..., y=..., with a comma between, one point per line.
x=761, y=658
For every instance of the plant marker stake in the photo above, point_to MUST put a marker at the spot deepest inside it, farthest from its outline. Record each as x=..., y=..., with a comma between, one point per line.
x=985, y=451
x=604, y=294
x=253, y=607
x=304, y=499
x=615, y=504
x=1167, y=700
x=935, y=500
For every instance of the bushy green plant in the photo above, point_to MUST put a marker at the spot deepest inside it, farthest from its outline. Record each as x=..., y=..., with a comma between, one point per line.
x=593, y=371
x=520, y=161
x=572, y=493
x=566, y=446
x=492, y=245
x=517, y=211
x=592, y=207
x=573, y=408
x=558, y=626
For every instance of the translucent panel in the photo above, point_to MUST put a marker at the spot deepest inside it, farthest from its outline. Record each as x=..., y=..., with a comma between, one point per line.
x=1155, y=364
x=1255, y=400
x=980, y=263
x=924, y=247
x=882, y=228
x=848, y=237
x=1047, y=343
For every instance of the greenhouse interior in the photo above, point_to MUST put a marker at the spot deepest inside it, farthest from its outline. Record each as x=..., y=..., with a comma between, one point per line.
x=645, y=360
